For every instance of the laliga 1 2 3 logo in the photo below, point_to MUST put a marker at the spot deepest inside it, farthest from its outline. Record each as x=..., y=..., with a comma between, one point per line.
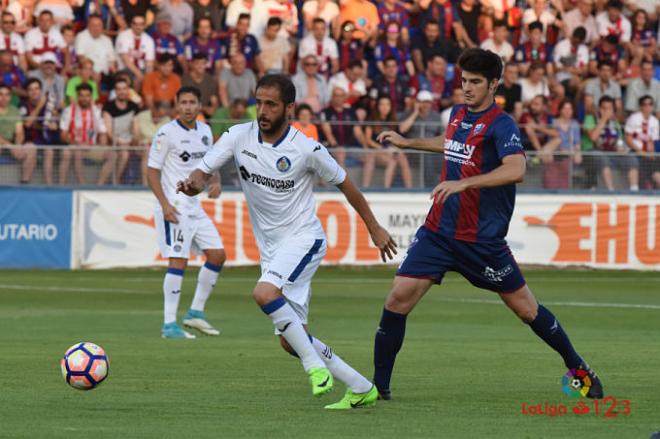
x=576, y=383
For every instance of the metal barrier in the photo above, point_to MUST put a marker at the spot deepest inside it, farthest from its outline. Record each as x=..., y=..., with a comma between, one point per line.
x=369, y=168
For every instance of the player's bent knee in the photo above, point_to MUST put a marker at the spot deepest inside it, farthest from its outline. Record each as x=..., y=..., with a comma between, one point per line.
x=265, y=293
x=216, y=256
x=178, y=263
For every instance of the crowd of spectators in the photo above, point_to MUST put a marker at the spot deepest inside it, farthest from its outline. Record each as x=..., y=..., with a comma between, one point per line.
x=581, y=78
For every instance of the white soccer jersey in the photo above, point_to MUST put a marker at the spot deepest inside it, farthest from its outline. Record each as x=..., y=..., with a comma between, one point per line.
x=140, y=49
x=645, y=132
x=14, y=43
x=277, y=180
x=39, y=43
x=177, y=151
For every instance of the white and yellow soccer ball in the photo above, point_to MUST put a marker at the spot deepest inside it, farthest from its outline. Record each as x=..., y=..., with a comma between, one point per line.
x=84, y=365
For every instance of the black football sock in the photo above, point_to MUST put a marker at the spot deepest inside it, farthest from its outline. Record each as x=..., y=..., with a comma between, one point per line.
x=389, y=338
x=546, y=326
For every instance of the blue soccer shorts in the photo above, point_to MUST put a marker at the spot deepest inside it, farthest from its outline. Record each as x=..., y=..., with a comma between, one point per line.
x=490, y=266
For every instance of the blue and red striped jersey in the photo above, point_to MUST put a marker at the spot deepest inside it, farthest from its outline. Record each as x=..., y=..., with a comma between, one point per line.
x=475, y=144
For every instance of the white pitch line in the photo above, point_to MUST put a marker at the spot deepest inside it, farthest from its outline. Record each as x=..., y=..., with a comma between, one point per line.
x=574, y=304
x=444, y=299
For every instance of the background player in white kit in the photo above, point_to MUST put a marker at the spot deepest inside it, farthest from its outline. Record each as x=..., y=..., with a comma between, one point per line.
x=277, y=165
x=181, y=223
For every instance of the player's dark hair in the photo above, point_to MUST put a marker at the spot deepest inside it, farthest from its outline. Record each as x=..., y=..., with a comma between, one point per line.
x=482, y=62
x=84, y=87
x=189, y=89
x=605, y=99
x=535, y=25
x=641, y=100
x=282, y=83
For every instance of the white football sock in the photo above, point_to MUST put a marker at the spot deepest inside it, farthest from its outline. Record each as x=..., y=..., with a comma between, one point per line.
x=340, y=369
x=172, y=293
x=206, y=279
x=288, y=323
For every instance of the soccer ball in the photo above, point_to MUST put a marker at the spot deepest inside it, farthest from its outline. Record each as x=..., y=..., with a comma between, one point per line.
x=84, y=365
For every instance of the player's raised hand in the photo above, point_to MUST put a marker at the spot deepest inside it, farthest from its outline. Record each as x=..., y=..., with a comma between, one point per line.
x=170, y=213
x=214, y=190
x=393, y=138
x=442, y=191
x=384, y=242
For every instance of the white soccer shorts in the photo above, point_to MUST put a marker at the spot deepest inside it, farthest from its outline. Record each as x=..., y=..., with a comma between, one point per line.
x=176, y=240
x=291, y=267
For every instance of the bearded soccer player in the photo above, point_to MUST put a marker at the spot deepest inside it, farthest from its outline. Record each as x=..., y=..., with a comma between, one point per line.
x=181, y=223
x=277, y=165
x=468, y=221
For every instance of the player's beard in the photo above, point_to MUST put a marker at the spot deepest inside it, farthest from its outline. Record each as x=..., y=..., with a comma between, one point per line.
x=275, y=125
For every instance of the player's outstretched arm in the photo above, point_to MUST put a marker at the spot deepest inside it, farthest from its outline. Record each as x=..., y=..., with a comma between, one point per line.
x=194, y=184
x=379, y=235
x=432, y=144
x=512, y=170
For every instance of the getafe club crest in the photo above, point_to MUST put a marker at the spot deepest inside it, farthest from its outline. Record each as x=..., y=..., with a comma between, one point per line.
x=206, y=141
x=283, y=164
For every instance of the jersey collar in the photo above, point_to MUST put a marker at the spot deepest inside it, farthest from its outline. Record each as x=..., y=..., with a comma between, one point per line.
x=278, y=141
x=185, y=127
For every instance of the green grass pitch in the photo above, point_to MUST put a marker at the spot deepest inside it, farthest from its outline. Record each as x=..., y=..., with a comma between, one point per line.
x=466, y=368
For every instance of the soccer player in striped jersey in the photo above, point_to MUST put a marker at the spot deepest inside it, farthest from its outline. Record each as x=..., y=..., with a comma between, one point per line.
x=277, y=165
x=466, y=226
x=181, y=223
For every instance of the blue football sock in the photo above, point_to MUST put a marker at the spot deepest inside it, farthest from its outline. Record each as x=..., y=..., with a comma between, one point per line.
x=546, y=326
x=389, y=338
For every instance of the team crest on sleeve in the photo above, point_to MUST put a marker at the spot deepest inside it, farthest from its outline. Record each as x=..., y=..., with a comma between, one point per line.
x=283, y=164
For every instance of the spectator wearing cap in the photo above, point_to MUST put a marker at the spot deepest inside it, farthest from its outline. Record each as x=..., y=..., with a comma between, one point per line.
x=392, y=45
x=237, y=81
x=211, y=9
x=611, y=21
x=430, y=43
x=198, y=77
x=182, y=17
x=434, y=80
x=349, y=48
x=602, y=85
x=324, y=48
x=10, y=74
x=204, y=43
x=509, y=93
x=51, y=81
x=641, y=134
x=11, y=134
x=147, y=123
x=645, y=85
x=240, y=41
x=498, y=42
x=43, y=39
x=311, y=86
x=580, y=16
x=136, y=50
x=276, y=52
x=351, y=81
x=161, y=84
x=85, y=74
x=424, y=121
x=392, y=85
x=166, y=42
x=92, y=44
x=534, y=50
x=610, y=51
x=11, y=40
x=327, y=10
x=572, y=61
